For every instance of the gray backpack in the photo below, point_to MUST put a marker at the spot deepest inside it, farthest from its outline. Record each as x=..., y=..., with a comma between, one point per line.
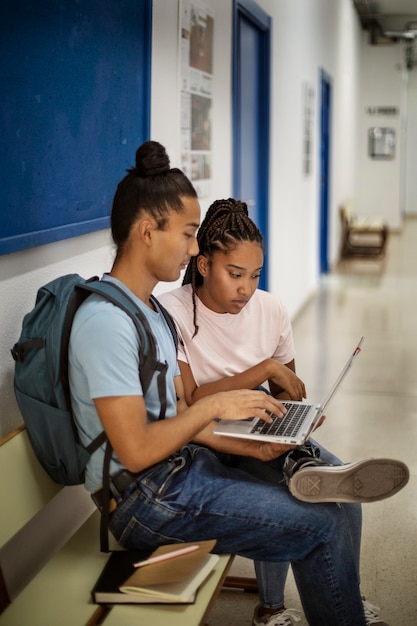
x=41, y=372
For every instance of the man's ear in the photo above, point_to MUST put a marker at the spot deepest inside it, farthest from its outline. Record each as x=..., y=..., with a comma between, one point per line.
x=145, y=228
x=202, y=264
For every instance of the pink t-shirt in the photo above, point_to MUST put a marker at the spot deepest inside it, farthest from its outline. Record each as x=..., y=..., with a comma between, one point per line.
x=227, y=344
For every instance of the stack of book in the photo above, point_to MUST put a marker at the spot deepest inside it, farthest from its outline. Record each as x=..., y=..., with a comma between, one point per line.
x=172, y=574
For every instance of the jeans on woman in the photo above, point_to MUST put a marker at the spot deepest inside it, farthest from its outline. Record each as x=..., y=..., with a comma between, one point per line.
x=271, y=577
x=194, y=496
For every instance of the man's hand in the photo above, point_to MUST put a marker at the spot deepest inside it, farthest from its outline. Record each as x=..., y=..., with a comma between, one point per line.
x=242, y=404
x=267, y=451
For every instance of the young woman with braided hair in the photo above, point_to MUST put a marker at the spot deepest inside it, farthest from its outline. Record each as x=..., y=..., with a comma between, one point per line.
x=227, y=227
x=167, y=485
x=235, y=336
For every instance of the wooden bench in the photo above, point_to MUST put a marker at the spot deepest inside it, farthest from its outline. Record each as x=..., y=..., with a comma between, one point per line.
x=364, y=237
x=50, y=555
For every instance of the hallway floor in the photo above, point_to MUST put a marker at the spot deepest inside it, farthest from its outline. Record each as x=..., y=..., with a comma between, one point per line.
x=374, y=414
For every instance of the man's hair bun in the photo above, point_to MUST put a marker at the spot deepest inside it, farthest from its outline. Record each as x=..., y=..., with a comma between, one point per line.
x=151, y=160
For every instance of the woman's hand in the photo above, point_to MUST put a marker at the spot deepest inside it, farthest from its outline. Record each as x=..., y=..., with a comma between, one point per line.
x=285, y=379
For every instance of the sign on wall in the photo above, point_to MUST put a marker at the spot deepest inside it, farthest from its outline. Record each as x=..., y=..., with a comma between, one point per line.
x=381, y=143
x=308, y=112
x=196, y=41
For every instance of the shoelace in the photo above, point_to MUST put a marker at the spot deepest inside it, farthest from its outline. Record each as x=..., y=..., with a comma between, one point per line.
x=287, y=618
x=371, y=613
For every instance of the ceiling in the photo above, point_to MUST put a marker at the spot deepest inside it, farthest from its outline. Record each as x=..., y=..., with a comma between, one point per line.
x=391, y=21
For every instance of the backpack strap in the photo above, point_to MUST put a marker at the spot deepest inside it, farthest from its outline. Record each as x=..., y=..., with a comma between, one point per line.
x=19, y=349
x=161, y=379
x=147, y=347
x=169, y=320
x=96, y=443
x=117, y=296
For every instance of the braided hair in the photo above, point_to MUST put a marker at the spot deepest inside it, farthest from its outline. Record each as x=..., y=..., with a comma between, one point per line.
x=226, y=224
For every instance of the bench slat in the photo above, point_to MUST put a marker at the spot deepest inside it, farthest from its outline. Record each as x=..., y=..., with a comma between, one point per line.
x=24, y=484
x=60, y=593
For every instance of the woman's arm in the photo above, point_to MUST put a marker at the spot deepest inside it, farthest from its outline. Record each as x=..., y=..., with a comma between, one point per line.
x=278, y=391
x=179, y=390
x=280, y=377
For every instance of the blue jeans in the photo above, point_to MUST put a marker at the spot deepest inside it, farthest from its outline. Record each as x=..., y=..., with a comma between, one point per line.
x=271, y=577
x=194, y=496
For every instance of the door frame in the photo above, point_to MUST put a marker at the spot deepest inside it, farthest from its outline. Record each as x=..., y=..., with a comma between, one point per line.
x=324, y=173
x=251, y=12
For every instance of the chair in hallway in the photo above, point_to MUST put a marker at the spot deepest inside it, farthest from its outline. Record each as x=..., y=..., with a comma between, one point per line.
x=366, y=236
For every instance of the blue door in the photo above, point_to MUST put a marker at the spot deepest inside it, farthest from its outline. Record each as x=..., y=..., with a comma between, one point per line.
x=325, y=137
x=251, y=94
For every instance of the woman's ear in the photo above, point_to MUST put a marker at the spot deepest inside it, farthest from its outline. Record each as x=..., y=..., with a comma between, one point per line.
x=202, y=264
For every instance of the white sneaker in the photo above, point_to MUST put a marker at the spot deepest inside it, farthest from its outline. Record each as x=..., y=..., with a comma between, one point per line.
x=368, y=480
x=372, y=614
x=285, y=617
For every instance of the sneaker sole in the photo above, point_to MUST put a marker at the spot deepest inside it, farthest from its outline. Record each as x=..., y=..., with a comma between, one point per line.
x=369, y=480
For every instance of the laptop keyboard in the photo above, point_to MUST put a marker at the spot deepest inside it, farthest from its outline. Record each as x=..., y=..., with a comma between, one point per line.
x=288, y=425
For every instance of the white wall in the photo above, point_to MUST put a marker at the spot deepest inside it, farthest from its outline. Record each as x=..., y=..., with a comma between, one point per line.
x=307, y=35
x=21, y=274
x=379, y=189
x=411, y=146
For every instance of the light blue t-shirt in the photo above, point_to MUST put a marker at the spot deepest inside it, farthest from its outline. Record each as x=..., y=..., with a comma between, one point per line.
x=104, y=361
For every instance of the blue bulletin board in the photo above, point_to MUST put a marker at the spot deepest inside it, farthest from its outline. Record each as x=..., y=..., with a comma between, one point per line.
x=75, y=105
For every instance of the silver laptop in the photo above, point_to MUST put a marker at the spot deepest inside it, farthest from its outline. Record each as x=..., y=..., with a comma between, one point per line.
x=297, y=424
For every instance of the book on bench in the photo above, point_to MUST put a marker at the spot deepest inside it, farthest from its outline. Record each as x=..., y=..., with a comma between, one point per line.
x=173, y=580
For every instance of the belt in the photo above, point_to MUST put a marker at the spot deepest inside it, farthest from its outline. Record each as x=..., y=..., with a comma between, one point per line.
x=118, y=483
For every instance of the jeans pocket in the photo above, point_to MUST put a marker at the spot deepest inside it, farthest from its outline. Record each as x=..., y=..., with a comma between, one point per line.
x=179, y=464
x=141, y=521
x=157, y=480
x=136, y=534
